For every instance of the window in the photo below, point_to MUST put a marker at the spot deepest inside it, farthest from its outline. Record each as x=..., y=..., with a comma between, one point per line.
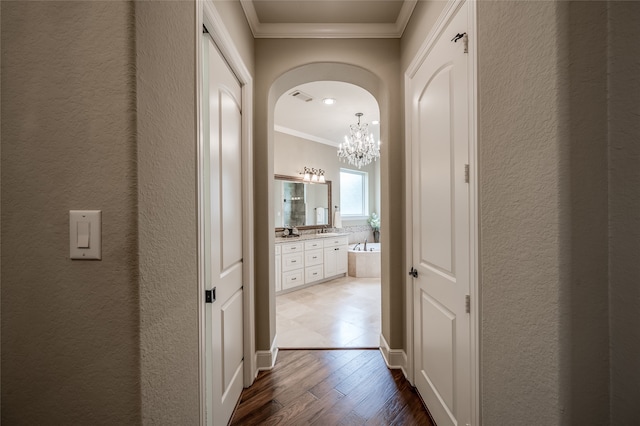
x=353, y=193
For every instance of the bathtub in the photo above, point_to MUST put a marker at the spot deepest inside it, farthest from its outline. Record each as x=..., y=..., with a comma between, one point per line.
x=364, y=264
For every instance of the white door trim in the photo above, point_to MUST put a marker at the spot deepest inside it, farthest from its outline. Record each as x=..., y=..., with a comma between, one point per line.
x=449, y=10
x=207, y=15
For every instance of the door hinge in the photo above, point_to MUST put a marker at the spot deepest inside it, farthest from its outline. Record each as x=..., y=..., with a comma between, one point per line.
x=466, y=173
x=467, y=304
x=210, y=295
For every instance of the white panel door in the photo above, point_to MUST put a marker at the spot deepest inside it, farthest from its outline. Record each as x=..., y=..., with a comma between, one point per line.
x=440, y=151
x=223, y=234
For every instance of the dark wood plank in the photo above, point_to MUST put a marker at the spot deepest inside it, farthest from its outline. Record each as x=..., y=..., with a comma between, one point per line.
x=359, y=391
x=323, y=406
x=276, y=380
x=352, y=419
x=289, y=414
x=343, y=373
x=256, y=413
x=310, y=378
x=330, y=387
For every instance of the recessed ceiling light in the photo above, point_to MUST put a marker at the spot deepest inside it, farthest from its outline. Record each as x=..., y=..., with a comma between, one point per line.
x=375, y=122
x=328, y=101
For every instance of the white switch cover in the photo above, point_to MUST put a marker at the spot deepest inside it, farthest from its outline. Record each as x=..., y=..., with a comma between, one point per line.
x=85, y=239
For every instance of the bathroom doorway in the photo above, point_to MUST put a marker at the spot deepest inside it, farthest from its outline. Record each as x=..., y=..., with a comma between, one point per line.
x=341, y=308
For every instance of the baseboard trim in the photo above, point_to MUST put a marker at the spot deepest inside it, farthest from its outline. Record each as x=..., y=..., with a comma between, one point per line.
x=394, y=358
x=265, y=360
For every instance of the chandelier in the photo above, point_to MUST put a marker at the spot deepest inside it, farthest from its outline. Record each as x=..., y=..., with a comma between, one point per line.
x=359, y=149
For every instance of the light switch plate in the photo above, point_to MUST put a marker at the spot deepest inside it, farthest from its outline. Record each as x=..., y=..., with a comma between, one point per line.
x=85, y=234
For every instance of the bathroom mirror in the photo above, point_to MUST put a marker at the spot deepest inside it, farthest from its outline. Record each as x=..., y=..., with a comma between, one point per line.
x=301, y=204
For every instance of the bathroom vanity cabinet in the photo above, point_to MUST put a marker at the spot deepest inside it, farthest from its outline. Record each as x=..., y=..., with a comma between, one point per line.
x=310, y=261
x=335, y=256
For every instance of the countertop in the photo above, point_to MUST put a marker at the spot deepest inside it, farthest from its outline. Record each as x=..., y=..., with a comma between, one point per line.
x=304, y=237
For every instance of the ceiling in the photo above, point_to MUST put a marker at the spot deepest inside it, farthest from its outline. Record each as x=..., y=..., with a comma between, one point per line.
x=328, y=18
x=322, y=123
x=314, y=120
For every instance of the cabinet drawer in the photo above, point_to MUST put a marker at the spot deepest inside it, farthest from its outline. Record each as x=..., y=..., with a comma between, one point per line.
x=314, y=273
x=292, y=261
x=292, y=279
x=335, y=241
x=313, y=257
x=278, y=249
x=292, y=248
x=313, y=244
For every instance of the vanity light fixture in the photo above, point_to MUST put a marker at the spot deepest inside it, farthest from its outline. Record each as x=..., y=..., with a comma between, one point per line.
x=313, y=175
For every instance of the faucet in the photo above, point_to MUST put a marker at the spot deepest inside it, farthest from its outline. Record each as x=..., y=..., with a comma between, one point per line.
x=355, y=247
x=365, y=244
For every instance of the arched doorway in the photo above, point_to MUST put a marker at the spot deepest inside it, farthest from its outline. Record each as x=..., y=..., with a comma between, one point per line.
x=392, y=294
x=319, y=305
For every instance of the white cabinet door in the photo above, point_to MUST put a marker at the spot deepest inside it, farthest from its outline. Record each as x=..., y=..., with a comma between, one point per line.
x=341, y=259
x=440, y=150
x=330, y=262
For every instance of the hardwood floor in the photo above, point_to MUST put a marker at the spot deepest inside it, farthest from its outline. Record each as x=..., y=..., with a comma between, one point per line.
x=330, y=387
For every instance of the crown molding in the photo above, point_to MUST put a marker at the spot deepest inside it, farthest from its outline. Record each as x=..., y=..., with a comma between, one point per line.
x=303, y=135
x=328, y=30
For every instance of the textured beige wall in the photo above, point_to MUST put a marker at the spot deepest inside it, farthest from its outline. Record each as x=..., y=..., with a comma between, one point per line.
x=274, y=57
x=69, y=328
x=167, y=212
x=424, y=16
x=543, y=193
x=523, y=211
x=236, y=23
x=624, y=209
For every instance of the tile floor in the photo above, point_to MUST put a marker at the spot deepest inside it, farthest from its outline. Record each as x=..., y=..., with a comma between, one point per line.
x=342, y=313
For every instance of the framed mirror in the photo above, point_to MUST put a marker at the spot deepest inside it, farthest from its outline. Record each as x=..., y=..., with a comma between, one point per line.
x=301, y=204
